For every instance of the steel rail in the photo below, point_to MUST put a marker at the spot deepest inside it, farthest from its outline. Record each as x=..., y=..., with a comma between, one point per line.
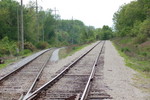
x=36, y=79
x=22, y=66
x=88, y=85
x=58, y=76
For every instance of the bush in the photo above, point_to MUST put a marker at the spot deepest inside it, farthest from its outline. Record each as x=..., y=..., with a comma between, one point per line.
x=42, y=45
x=145, y=27
x=144, y=53
x=7, y=47
x=30, y=46
x=24, y=52
x=140, y=38
x=125, y=49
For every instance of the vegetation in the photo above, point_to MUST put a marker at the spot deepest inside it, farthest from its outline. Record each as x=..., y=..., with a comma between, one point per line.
x=41, y=29
x=104, y=33
x=136, y=56
x=133, y=20
x=67, y=51
x=132, y=34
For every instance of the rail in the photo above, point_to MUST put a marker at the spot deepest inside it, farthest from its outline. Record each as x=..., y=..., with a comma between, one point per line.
x=23, y=65
x=88, y=85
x=56, y=78
x=37, y=78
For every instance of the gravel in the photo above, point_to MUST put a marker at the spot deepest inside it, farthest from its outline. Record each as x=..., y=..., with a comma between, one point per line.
x=55, y=55
x=20, y=82
x=19, y=64
x=75, y=80
x=118, y=77
x=55, y=67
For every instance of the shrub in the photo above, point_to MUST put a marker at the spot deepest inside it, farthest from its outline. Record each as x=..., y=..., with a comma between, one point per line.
x=125, y=49
x=144, y=53
x=140, y=38
x=42, y=45
x=29, y=45
x=7, y=47
x=145, y=27
x=24, y=52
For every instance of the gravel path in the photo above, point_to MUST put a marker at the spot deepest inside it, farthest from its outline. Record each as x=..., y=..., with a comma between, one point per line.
x=55, y=56
x=118, y=77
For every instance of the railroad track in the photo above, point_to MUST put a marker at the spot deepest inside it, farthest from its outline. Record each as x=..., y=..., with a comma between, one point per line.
x=76, y=82
x=15, y=84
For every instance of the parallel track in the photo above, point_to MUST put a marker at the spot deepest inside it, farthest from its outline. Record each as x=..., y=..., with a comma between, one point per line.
x=73, y=82
x=14, y=85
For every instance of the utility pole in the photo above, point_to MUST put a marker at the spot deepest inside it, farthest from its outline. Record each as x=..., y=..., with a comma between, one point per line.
x=43, y=27
x=55, y=10
x=72, y=29
x=37, y=22
x=36, y=6
x=18, y=28
x=22, y=28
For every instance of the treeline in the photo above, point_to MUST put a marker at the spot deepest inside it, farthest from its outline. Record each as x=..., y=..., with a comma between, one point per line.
x=42, y=29
x=132, y=32
x=133, y=20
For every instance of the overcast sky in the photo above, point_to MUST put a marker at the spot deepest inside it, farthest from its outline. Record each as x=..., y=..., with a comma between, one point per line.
x=92, y=12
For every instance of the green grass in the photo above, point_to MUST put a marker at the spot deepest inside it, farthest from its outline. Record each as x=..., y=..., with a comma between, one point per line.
x=7, y=62
x=13, y=59
x=70, y=50
x=2, y=65
x=133, y=59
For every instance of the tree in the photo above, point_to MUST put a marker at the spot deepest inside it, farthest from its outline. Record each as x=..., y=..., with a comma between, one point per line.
x=49, y=27
x=104, y=33
x=132, y=19
x=8, y=19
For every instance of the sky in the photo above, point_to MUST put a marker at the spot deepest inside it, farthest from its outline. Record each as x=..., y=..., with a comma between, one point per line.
x=91, y=12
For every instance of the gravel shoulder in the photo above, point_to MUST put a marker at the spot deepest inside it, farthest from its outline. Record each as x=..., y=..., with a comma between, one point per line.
x=119, y=78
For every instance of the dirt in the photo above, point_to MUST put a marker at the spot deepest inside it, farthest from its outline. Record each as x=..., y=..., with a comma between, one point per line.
x=145, y=44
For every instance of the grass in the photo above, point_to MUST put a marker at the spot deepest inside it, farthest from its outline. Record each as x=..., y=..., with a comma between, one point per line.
x=135, y=55
x=62, y=53
x=68, y=51
x=13, y=59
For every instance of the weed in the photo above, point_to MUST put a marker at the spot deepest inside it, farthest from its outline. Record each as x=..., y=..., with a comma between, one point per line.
x=70, y=50
x=125, y=49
